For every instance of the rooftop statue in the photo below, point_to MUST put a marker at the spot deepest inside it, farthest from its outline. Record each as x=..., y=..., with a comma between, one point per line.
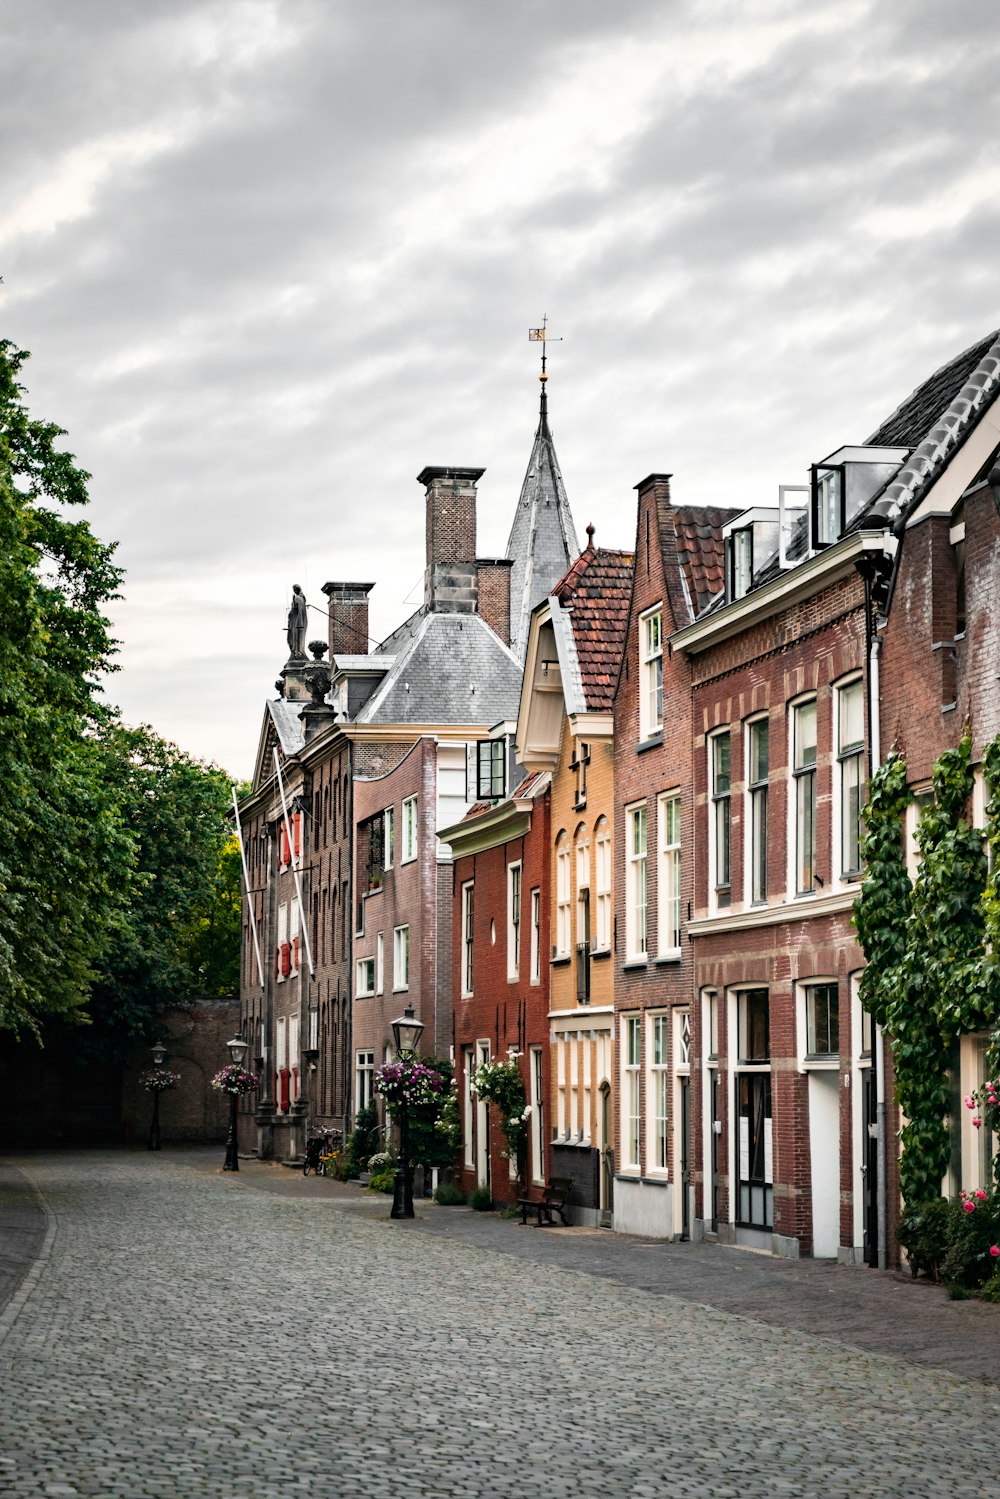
x=297, y=623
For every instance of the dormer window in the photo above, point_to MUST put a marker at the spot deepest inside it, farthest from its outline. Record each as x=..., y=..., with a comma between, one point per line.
x=740, y=562
x=828, y=519
x=750, y=544
x=844, y=484
x=491, y=779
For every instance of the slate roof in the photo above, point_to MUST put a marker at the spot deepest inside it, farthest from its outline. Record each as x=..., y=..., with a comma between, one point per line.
x=910, y=422
x=698, y=529
x=542, y=538
x=453, y=669
x=935, y=421
x=595, y=593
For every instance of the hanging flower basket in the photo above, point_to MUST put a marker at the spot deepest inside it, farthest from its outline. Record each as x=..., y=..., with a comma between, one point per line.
x=158, y=1080
x=233, y=1080
x=412, y=1081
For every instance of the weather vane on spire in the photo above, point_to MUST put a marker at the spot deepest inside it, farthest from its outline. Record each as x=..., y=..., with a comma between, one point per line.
x=541, y=336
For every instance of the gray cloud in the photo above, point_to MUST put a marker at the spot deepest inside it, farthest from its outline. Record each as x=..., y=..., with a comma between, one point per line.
x=272, y=258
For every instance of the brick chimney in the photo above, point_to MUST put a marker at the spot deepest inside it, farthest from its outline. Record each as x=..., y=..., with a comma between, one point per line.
x=348, y=610
x=493, y=579
x=450, y=581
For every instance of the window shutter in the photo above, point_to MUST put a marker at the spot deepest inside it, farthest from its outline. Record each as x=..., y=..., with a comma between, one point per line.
x=472, y=772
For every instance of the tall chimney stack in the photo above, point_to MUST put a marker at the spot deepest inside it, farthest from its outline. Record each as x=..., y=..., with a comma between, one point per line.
x=450, y=581
x=348, y=618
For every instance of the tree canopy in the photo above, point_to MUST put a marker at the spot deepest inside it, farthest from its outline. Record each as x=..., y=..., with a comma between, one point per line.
x=116, y=881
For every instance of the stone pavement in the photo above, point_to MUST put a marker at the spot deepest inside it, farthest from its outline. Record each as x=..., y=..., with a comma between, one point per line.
x=186, y=1333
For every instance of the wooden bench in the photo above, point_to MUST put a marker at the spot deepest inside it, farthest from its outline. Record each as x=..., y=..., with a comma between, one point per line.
x=553, y=1200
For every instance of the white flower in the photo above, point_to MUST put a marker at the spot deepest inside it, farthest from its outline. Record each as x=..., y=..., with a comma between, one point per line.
x=527, y=1111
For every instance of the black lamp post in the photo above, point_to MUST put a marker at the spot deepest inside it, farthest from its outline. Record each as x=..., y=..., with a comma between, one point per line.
x=406, y=1032
x=237, y=1050
x=159, y=1054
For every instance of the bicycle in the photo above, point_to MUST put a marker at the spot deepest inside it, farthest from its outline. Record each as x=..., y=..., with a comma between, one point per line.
x=319, y=1151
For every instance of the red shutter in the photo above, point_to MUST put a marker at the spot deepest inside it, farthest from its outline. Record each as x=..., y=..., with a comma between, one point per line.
x=283, y=1098
x=286, y=857
x=286, y=959
x=297, y=833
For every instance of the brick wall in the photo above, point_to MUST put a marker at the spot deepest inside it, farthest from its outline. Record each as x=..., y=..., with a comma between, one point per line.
x=506, y=1012
x=494, y=594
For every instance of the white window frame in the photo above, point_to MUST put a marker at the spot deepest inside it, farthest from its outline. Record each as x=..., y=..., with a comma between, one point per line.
x=468, y=1064
x=602, y=883
x=811, y=1061
x=563, y=896
x=363, y=988
x=536, y=1085
x=408, y=851
x=651, y=671
x=756, y=797
x=388, y=837
x=668, y=885
x=514, y=904
x=468, y=935
x=657, y=1093
x=636, y=883
x=364, y=1079
x=294, y=929
x=720, y=819
x=379, y=962
x=536, y=935
x=562, y=1128
x=631, y=1093
x=850, y=759
x=282, y=940
x=400, y=958
x=800, y=777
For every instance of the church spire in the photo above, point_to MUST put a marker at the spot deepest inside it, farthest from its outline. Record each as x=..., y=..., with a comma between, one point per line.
x=543, y=538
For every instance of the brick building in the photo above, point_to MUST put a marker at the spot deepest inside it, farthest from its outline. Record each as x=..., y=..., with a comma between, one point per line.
x=500, y=977
x=565, y=727
x=828, y=641
x=937, y=653
x=678, y=571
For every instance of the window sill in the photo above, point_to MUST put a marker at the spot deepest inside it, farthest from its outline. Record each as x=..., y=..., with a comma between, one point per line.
x=634, y=963
x=820, y=1064
x=653, y=742
x=600, y=955
x=629, y=1175
x=561, y=962
x=404, y=989
x=670, y=960
x=411, y=860
x=656, y=1181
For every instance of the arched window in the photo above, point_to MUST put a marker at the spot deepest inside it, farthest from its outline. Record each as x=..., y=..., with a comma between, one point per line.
x=562, y=895
x=602, y=884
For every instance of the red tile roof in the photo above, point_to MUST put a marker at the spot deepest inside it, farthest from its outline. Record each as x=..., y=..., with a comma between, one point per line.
x=698, y=529
x=523, y=789
x=597, y=591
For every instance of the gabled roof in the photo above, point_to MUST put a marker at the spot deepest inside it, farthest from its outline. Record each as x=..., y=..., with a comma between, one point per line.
x=595, y=595
x=451, y=669
x=910, y=422
x=542, y=538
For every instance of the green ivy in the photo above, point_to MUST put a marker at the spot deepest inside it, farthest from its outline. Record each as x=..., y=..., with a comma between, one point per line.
x=929, y=949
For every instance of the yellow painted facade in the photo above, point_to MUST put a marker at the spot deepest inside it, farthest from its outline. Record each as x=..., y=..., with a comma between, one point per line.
x=581, y=1015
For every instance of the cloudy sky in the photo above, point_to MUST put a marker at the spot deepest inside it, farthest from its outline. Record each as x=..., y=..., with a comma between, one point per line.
x=274, y=256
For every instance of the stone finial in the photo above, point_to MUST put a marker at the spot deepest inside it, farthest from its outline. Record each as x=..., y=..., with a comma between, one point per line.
x=319, y=649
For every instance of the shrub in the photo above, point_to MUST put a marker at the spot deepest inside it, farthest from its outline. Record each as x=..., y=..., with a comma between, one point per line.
x=924, y=1234
x=480, y=1199
x=447, y=1195
x=383, y=1179
x=363, y=1141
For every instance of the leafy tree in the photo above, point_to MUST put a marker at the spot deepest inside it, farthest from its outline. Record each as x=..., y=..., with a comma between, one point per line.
x=65, y=855
x=179, y=936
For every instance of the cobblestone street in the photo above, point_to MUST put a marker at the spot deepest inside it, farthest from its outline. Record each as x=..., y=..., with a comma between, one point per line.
x=183, y=1333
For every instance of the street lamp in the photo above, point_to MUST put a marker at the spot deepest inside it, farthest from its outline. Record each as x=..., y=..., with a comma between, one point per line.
x=406, y=1032
x=159, y=1055
x=237, y=1050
